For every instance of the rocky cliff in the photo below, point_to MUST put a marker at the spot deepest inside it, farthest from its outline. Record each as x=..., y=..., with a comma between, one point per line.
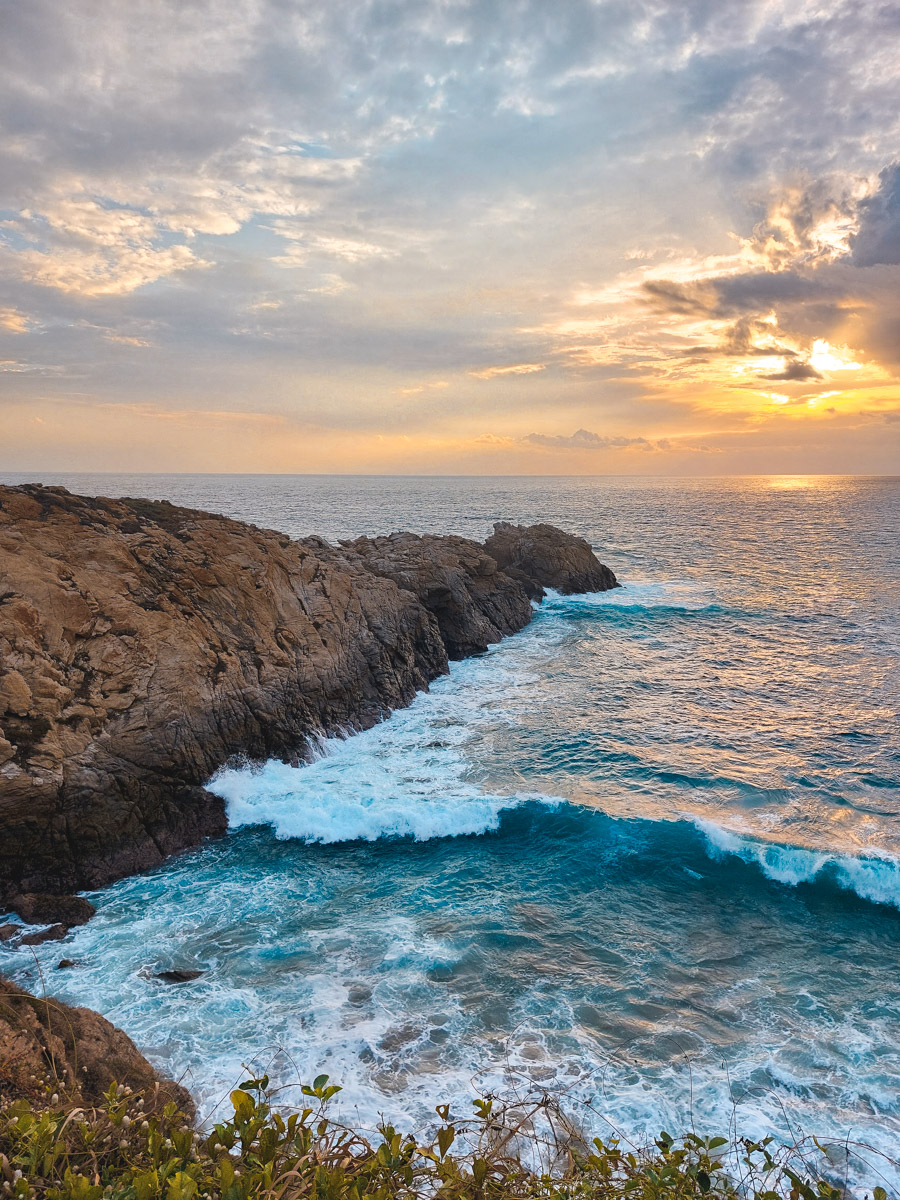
x=142, y=646
x=47, y=1046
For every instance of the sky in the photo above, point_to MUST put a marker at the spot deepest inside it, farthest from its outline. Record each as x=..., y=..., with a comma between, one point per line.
x=450, y=236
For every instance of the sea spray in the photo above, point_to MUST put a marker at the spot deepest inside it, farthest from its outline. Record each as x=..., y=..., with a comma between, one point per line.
x=874, y=877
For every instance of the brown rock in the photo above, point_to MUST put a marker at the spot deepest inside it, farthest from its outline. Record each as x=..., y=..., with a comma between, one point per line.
x=55, y=933
x=142, y=646
x=8, y=931
x=156, y=643
x=549, y=557
x=474, y=603
x=76, y=1049
x=40, y=908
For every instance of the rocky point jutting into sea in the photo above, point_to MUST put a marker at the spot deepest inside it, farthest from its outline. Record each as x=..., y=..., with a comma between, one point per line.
x=145, y=645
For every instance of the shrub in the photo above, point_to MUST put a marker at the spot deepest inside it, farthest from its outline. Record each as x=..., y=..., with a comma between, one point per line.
x=123, y=1150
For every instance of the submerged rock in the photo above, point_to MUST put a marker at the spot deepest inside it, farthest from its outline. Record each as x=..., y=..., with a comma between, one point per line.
x=55, y=933
x=358, y=993
x=178, y=975
x=142, y=646
x=77, y=1048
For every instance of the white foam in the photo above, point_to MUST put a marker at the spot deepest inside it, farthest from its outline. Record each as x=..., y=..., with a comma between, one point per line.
x=414, y=775
x=873, y=876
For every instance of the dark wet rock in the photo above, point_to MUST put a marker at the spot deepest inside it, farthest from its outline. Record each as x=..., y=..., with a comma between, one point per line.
x=80, y=1050
x=358, y=993
x=549, y=557
x=9, y=931
x=65, y=963
x=177, y=976
x=41, y=908
x=55, y=933
x=143, y=645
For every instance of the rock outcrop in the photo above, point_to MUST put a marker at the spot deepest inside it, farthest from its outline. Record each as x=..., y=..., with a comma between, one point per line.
x=73, y=1051
x=41, y=908
x=142, y=646
x=565, y=563
x=472, y=600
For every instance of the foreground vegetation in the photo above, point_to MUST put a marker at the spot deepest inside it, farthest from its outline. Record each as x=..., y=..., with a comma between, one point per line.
x=130, y=1147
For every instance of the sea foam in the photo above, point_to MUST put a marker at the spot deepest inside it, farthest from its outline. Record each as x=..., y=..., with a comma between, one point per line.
x=872, y=876
x=413, y=775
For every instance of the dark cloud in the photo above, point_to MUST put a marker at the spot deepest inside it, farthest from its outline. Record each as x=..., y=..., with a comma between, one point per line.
x=878, y=239
x=796, y=370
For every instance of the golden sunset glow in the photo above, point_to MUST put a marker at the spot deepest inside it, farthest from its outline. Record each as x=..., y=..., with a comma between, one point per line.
x=593, y=255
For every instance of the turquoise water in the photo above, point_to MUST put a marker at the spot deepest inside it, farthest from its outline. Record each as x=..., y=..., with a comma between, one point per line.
x=645, y=854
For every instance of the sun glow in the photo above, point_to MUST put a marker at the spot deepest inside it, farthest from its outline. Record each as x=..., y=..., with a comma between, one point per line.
x=826, y=357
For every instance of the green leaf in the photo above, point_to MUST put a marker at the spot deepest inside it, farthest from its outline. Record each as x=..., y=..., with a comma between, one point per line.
x=243, y=1105
x=255, y=1085
x=445, y=1139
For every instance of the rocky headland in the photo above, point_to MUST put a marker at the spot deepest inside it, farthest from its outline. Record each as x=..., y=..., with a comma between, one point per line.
x=142, y=646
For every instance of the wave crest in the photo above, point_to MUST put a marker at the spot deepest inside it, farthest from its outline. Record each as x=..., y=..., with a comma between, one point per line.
x=366, y=787
x=873, y=876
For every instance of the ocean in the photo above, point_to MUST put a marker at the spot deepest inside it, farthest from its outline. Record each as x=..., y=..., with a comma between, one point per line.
x=643, y=856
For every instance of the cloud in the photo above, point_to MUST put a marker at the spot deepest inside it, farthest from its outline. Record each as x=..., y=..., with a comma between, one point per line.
x=584, y=439
x=312, y=208
x=877, y=240
x=794, y=370
x=13, y=321
x=517, y=369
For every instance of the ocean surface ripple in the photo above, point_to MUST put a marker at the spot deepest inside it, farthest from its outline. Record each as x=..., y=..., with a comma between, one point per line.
x=646, y=853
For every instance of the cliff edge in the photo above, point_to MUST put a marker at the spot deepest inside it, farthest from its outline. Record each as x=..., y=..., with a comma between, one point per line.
x=143, y=645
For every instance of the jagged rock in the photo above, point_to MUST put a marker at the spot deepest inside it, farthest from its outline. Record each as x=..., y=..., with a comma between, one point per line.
x=143, y=645
x=55, y=933
x=40, y=908
x=177, y=975
x=76, y=1050
x=549, y=557
x=474, y=603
